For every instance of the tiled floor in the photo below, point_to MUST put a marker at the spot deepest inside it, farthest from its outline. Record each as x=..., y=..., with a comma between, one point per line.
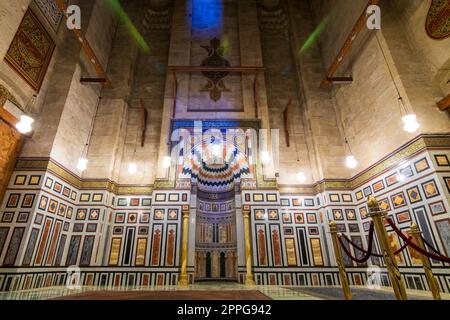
x=362, y=294
x=274, y=292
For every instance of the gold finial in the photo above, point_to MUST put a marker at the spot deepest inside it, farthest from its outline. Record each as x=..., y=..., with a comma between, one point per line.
x=414, y=228
x=373, y=204
x=333, y=227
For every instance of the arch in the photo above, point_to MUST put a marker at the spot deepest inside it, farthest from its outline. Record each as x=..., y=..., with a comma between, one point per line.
x=210, y=176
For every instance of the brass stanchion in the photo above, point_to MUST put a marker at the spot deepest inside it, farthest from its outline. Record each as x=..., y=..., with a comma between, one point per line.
x=377, y=216
x=340, y=261
x=415, y=232
x=249, y=280
x=183, y=281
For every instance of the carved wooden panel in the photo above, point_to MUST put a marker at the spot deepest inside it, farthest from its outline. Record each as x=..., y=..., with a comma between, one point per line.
x=10, y=143
x=438, y=19
x=31, y=50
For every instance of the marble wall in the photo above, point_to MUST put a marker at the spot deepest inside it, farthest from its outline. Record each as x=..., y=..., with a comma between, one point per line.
x=118, y=220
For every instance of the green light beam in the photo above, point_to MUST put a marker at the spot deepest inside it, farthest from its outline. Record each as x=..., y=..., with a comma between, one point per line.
x=316, y=33
x=117, y=8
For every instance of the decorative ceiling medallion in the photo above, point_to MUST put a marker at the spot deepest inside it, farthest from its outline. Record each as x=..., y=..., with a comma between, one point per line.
x=438, y=19
x=215, y=85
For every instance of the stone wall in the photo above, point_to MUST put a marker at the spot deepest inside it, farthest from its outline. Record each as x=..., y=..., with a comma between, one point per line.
x=434, y=53
x=64, y=108
x=282, y=92
x=149, y=82
x=325, y=142
x=11, y=15
x=107, y=143
x=402, y=48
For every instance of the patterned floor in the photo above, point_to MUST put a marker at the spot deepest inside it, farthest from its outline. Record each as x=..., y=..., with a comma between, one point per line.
x=208, y=290
x=205, y=289
x=181, y=295
x=357, y=294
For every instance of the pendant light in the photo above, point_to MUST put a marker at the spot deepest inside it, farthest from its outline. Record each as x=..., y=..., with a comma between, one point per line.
x=301, y=177
x=82, y=164
x=24, y=126
x=83, y=161
x=350, y=160
x=167, y=161
x=132, y=166
x=265, y=157
x=410, y=123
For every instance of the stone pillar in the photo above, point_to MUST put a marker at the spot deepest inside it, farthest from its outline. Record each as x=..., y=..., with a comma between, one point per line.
x=183, y=281
x=249, y=280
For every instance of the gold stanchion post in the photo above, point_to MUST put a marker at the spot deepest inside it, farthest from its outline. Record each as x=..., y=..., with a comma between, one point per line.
x=183, y=281
x=415, y=232
x=340, y=261
x=377, y=216
x=249, y=279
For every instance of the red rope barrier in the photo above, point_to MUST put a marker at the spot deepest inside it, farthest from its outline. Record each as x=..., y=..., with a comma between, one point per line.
x=370, y=244
x=402, y=248
x=431, y=247
x=414, y=246
x=359, y=248
x=357, y=260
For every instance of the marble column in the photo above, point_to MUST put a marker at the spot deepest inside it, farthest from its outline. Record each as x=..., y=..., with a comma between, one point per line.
x=249, y=279
x=184, y=251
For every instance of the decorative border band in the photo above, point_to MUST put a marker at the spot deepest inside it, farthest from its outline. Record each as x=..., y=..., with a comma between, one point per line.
x=413, y=147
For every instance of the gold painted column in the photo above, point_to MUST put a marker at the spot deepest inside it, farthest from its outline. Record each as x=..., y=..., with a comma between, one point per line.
x=377, y=216
x=415, y=232
x=340, y=261
x=183, y=281
x=249, y=280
